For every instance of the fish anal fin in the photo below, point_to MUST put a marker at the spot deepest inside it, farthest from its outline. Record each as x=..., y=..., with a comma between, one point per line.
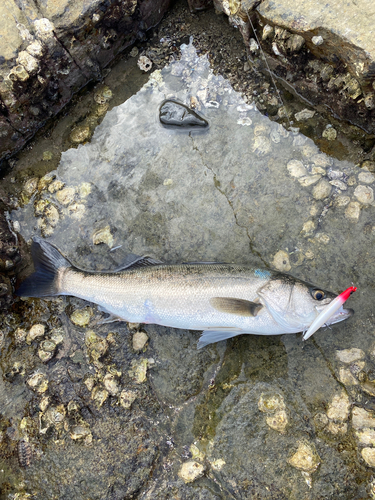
x=240, y=307
x=217, y=334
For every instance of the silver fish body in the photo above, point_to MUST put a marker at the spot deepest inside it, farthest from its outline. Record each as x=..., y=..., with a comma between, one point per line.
x=223, y=300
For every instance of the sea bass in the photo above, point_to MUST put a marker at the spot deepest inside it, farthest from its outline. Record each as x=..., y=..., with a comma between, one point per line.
x=222, y=300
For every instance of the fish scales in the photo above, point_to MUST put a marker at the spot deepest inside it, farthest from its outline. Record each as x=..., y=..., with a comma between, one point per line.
x=169, y=295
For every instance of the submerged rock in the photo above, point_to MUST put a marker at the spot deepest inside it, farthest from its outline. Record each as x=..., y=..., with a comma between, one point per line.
x=175, y=114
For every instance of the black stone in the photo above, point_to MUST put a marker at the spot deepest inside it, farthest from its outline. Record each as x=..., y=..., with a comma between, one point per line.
x=176, y=115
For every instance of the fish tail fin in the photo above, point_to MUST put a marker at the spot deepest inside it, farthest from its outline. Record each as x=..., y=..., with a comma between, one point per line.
x=211, y=336
x=44, y=281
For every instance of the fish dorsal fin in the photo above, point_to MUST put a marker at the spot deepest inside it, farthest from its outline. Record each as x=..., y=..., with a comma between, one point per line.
x=133, y=261
x=240, y=307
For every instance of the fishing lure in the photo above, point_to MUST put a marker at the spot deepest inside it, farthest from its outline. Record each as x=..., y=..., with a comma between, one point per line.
x=328, y=311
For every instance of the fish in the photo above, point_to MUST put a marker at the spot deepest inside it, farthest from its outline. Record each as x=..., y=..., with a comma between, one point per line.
x=220, y=300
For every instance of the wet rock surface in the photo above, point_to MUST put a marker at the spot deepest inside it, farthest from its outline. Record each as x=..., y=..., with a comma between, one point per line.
x=164, y=419
x=49, y=50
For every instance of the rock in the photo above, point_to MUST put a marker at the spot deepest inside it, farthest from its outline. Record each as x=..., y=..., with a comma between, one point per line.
x=111, y=384
x=271, y=402
x=34, y=332
x=353, y=210
x=305, y=458
x=329, y=133
x=190, y=471
x=103, y=235
x=362, y=418
x=281, y=261
x=364, y=194
x=139, y=340
x=175, y=114
x=366, y=436
x=296, y=168
x=278, y=421
x=347, y=378
x=317, y=40
x=368, y=455
x=127, y=398
x=366, y=177
x=322, y=190
x=81, y=317
x=350, y=355
x=305, y=114
x=339, y=407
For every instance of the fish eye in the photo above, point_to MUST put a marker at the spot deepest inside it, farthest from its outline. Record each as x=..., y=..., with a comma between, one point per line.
x=318, y=294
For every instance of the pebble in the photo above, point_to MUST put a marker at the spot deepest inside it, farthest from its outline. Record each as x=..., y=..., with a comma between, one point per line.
x=139, y=340
x=368, y=455
x=305, y=114
x=339, y=407
x=306, y=458
x=329, y=133
x=350, y=355
x=127, y=398
x=281, y=261
x=353, y=210
x=190, y=471
x=296, y=168
x=81, y=317
x=366, y=177
x=364, y=194
x=34, y=332
x=362, y=418
x=317, y=40
x=322, y=190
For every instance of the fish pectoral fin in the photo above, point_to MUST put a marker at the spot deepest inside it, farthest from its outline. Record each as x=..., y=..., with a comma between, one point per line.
x=240, y=307
x=216, y=334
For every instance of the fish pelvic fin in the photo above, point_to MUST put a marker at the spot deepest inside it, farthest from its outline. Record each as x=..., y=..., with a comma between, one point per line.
x=217, y=334
x=48, y=261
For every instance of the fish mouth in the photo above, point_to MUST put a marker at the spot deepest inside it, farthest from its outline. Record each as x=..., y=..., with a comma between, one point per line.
x=340, y=315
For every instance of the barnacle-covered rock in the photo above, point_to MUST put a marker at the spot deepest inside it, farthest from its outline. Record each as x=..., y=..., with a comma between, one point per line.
x=34, y=332
x=190, y=471
x=306, y=458
x=38, y=382
x=81, y=317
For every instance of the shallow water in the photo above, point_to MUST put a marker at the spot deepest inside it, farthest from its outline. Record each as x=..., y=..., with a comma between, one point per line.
x=247, y=190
